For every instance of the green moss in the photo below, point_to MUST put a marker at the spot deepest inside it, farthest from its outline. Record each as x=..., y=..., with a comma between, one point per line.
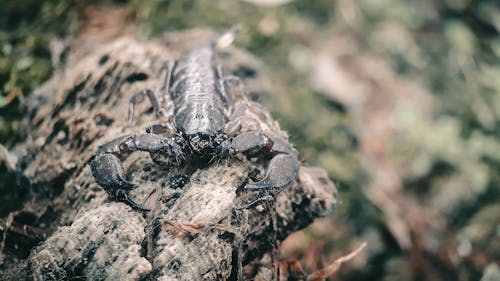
x=26, y=27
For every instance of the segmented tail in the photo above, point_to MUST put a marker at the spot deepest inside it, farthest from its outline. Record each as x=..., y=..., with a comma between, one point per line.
x=225, y=39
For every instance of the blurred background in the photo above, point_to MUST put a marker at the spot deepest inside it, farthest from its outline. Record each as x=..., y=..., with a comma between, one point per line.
x=398, y=100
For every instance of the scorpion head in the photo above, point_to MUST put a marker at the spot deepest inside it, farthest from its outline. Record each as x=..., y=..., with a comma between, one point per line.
x=203, y=142
x=200, y=142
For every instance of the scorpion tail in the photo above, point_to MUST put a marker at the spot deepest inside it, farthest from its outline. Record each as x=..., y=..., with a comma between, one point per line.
x=225, y=39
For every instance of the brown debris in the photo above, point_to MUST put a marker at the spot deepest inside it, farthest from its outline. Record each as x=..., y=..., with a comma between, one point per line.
x=328, y=271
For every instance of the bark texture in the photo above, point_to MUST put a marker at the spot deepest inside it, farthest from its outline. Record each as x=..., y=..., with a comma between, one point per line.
x=195, y=231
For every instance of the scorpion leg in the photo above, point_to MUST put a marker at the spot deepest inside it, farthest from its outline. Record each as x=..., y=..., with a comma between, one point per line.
x=169, y=66
x=139, y=97
x=283, y=168
x=107, y=168
x=161, y=128
x=235, y=86
x=221, y=86
x=165, y=88
x=232, y=128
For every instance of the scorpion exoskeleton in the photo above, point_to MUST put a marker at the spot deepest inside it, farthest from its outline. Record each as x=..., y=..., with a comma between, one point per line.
x=209, y=122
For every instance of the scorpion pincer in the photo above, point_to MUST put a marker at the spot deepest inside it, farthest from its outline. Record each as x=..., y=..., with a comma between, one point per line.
x=208, y=122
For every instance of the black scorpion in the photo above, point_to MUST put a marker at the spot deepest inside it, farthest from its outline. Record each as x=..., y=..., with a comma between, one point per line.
x=210, y=121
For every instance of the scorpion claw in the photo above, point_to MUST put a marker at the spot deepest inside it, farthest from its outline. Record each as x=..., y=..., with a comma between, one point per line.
x=123, y=196
x=108, y=172
x=257, y=201
x=263, y=184
x=283, y=169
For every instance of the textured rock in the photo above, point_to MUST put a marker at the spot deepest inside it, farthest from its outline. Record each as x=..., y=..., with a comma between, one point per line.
x=103, y=243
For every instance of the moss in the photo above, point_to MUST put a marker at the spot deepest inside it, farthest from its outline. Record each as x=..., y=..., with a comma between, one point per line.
x=26, y=27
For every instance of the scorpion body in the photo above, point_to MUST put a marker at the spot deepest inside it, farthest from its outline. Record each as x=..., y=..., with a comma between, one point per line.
x=197, y=96
x=207, y=123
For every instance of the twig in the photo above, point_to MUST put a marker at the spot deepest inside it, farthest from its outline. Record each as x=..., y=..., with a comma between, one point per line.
x=328, y=271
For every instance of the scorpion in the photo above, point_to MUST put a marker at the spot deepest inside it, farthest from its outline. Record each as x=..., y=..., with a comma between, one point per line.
x=209, y=121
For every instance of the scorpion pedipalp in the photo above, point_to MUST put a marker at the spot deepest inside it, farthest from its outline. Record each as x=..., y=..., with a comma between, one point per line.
x=108, y=170
x=283, y=167
x=282, y=170
x=257, y=201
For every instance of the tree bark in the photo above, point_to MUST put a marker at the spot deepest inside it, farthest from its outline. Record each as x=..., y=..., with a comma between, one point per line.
x=194, y=232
